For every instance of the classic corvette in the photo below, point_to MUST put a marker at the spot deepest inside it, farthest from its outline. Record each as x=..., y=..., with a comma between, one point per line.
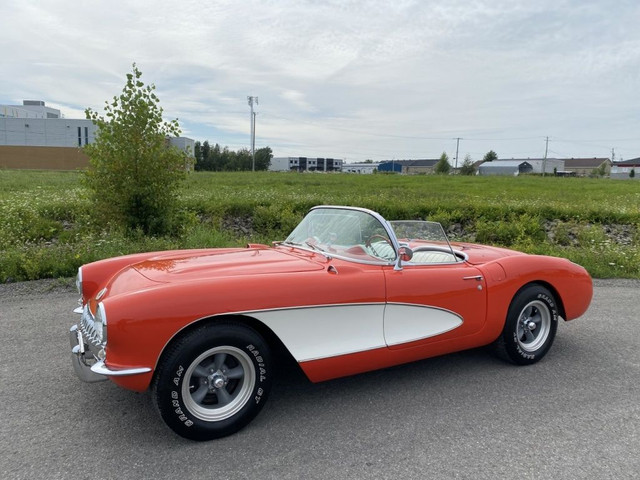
x=346, y=292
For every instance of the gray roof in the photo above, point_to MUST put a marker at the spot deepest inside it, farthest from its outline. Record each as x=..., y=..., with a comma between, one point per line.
x=530, y=160
x=584, y=162
x=632, y=162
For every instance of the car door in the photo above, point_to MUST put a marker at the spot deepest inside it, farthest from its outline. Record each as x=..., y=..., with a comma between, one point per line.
x=426, y=303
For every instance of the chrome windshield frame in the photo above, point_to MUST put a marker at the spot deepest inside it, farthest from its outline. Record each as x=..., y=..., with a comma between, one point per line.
x=329, y=255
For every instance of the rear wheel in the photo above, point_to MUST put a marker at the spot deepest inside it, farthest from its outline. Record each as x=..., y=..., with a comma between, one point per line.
x=213, y=381
x=530, y=328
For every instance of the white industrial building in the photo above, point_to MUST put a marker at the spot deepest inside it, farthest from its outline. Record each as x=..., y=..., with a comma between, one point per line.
x=33, y=124
x=305, y=164
x=505, y=167
x=362, y=168
x=46, y=132
x=29, y=109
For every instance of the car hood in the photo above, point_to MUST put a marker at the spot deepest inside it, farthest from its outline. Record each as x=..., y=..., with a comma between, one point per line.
x=186, y=266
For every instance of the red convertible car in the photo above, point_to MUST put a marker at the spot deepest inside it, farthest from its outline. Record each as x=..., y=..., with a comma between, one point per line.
x=346, y=292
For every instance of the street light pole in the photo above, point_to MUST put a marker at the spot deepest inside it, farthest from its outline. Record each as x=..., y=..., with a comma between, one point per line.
x=252, y=121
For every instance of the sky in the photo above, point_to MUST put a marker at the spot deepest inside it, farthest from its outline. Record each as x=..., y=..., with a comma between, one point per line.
x=351, y=79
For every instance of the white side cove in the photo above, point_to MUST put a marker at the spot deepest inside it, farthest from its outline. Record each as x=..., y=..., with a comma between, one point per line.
x=323, y=331
x=407, y=323
x=327, y=331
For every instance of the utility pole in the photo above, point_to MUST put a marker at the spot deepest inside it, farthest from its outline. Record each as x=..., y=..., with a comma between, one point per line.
x=544, y=160
x=253, y=143
x=252, y=121
x=457, y=147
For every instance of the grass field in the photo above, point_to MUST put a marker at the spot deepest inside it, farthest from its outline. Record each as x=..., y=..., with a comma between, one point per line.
x=47, y=228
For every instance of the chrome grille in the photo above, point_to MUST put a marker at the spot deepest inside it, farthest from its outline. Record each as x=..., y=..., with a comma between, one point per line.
x=87, y=328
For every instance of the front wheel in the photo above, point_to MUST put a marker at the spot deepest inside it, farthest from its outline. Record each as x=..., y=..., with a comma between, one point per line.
x=213, y=380
x=530, y=328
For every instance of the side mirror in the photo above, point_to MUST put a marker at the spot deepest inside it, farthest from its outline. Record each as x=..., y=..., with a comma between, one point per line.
x=405, y=253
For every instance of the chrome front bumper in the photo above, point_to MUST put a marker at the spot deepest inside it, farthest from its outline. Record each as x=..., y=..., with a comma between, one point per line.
x=86, y=353
x=82, y=359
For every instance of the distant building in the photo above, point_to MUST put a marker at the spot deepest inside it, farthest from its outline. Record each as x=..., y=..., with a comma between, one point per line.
x=622, y=170
x=305, y=164
x=183, y=143
x=365, y=168
x=505, y=167
x=391, y=166
x=584, y=167
x=408, y=167
x=33, y=135
x=29, y=109
x=46, y=132
x=538, y=165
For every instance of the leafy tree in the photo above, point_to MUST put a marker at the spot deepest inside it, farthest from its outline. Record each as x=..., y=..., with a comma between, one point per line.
x=490, y=156
x=443, y=167
x=197, y=154
x=467, y=167
x=240, y=161
x=220, y=159
x=602, y=170
x=205, y=161
x=632, y=173
x=134, y=175
x=263, y=158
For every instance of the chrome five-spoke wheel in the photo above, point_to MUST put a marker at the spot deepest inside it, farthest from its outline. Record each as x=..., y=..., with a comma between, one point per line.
x=218, y=383
x=534, y=325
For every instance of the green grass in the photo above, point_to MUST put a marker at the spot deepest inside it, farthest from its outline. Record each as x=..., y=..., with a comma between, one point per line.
x=48, y=229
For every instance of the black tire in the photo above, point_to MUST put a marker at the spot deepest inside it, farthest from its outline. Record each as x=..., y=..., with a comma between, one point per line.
x=213, y=380
x=532, y=321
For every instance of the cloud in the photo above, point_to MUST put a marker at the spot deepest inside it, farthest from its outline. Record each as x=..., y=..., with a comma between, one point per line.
x=355, y=79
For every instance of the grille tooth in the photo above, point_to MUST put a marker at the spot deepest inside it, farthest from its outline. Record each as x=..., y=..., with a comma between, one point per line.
x=87, y=328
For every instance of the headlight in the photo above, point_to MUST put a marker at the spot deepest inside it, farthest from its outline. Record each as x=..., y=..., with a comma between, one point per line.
x=100, y=322
x=79, y=281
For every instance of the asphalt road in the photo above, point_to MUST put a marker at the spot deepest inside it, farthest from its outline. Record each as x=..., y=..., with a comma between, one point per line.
x=574, y=415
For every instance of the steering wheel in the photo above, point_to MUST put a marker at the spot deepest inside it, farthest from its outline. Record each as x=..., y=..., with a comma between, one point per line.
x=368, y=243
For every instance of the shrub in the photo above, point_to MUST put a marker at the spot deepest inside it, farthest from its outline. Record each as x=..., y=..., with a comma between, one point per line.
x=134, y=176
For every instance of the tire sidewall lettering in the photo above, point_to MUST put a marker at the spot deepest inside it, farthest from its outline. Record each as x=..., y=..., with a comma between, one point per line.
x=175, y=398
x=261, y=368
x=551, y=304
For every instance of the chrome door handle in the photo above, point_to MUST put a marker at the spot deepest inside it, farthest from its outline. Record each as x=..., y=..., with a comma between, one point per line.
x=473, y=277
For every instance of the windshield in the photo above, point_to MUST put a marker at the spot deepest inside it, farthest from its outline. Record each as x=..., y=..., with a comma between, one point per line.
x=354, y=234
x=427, y=240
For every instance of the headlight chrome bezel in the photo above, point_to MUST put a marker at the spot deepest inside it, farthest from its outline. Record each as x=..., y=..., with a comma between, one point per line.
x=100, y=322
x=79, y=281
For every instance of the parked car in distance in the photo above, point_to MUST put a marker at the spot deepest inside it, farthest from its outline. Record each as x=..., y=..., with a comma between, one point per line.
x=346, y=292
